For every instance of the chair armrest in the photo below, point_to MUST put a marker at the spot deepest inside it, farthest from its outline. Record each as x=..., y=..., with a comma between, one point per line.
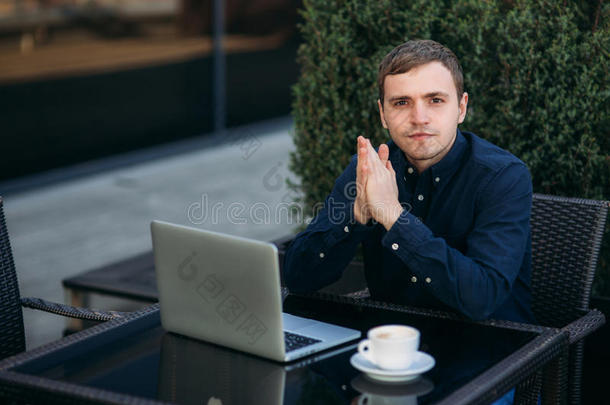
x=585, y=325
x=359, y=295
x=69, y=311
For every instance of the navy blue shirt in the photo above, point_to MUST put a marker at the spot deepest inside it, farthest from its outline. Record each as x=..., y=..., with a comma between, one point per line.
x=462, y=242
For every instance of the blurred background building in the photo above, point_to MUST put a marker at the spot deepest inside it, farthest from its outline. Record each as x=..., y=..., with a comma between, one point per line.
x=117, y=112
x=84, y=79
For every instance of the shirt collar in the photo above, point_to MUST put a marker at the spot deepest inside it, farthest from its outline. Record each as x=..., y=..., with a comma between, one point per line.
x=443, y=170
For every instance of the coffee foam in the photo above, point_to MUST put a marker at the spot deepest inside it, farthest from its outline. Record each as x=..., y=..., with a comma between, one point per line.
x=394, y=332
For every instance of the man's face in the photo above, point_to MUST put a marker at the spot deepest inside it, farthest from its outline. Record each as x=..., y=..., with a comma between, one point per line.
x=422, y=112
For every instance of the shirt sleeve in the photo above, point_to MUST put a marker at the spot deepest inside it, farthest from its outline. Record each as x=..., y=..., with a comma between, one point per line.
x=479, y=280
x=318, y=255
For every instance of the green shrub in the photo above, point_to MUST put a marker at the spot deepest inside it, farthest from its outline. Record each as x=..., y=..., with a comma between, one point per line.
x=536, y=72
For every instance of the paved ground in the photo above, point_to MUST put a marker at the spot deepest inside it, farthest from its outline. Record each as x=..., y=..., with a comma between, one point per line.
x=232, y=182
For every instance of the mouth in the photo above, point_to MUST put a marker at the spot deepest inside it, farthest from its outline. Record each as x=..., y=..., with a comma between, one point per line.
x=420, y=136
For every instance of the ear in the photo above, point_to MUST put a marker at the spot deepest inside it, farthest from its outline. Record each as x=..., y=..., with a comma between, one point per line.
x=381, y=116
x=462, y=108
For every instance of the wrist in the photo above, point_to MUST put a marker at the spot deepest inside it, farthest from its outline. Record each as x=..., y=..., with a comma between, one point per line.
x=363, y=221
x=392, y=215
x=361, y=213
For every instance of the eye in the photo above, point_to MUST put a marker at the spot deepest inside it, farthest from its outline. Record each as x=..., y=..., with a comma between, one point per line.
x=437, y=100
x=401, y=102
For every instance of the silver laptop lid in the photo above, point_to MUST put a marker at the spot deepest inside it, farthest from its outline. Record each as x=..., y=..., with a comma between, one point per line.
x=219, y=288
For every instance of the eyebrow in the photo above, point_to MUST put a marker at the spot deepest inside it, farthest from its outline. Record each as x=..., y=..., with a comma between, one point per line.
x=427, y=95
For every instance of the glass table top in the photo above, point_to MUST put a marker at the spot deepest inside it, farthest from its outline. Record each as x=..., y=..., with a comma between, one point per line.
x=154, y=364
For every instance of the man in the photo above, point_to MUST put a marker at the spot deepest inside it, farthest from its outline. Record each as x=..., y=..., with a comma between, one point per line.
x=442, y=215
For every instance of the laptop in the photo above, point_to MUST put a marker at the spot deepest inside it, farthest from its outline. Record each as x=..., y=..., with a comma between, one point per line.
x=195, y=372
x=226, y=290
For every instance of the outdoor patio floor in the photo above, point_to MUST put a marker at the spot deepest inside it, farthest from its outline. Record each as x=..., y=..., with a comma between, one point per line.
x=71, y=220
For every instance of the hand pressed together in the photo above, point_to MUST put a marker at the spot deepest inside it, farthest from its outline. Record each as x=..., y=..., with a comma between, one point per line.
x=377, y=192
x=361, y=209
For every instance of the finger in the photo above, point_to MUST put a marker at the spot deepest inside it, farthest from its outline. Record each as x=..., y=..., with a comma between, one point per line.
x=361, y=142
x=361, y=172
x=371, y=149
x=384, y=153
x=388, y=165
x=360, y=148
x=364, y=168
x=361, y=182
x=373, y=158
x=362, y=159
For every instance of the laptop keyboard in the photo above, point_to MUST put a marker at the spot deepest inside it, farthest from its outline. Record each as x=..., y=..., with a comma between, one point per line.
x=293, y=341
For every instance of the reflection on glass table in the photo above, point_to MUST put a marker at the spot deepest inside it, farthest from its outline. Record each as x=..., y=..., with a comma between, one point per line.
x=193, y=372
x=389, y=394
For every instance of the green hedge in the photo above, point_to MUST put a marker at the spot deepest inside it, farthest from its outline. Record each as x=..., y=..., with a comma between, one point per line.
x=536, y=72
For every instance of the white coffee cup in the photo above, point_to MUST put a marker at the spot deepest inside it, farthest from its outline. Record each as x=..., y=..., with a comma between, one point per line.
x=390, y=347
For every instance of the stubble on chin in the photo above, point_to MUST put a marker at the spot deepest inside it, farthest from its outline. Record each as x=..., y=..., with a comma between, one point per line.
x=424, y=152
x=419, y=150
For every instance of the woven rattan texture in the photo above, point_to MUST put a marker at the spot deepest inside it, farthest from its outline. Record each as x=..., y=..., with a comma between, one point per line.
x=585, y=325
x=527, y=392
x=505, y=375
x=12, y=336
x=566, y=239
x=70, y=311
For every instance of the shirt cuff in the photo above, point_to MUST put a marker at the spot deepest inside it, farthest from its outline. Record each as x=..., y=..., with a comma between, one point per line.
x=407, y=233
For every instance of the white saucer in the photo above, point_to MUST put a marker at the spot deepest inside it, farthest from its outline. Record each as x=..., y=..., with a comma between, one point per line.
x=422, y=363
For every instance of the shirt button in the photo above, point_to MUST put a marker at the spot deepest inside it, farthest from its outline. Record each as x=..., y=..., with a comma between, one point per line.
x=420, y=197
x=395, y=246
x=414, y=279
x=321, y=255
x=428, y=280
x=346, y=229
x=410, y=170
x=437, y=179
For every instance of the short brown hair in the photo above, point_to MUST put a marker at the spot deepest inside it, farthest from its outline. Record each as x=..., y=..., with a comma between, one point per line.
x=416, y=53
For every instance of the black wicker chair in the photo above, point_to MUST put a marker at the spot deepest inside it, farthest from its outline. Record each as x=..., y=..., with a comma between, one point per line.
x=12, y=334
x=566, y=241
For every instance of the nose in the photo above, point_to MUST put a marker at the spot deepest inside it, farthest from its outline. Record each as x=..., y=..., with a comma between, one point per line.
x=419, y=114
